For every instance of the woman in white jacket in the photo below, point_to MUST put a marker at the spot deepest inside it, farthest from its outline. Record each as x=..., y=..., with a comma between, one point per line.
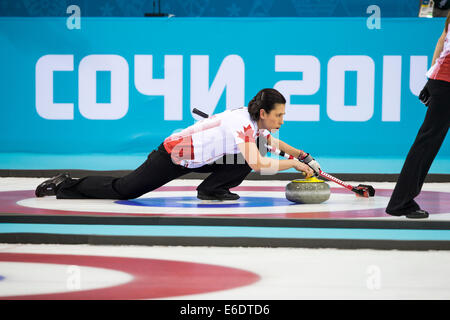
x=213, y=145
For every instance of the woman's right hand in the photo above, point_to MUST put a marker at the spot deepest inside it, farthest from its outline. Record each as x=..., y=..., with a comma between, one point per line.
x=300, y=166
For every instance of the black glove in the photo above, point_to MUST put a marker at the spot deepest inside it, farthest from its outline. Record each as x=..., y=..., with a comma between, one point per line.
x=425, y=96
x=312, y=163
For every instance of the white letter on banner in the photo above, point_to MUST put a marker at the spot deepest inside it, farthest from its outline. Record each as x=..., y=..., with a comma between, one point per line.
x=417, y=73
x=231, y=75
x=309, y=85
x=87, y=87
x=336, y=108
x=392, y=88
x=45, y=106
x=171, y=87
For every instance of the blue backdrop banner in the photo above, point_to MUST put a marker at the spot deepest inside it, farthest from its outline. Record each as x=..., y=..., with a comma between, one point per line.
x=211, y=8
x=93, y=87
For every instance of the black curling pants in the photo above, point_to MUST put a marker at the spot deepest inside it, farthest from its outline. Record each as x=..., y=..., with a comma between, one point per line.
x=155, y=172
x=423, y=151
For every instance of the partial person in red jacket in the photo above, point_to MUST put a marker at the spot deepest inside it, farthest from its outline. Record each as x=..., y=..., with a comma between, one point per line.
x=436, y=96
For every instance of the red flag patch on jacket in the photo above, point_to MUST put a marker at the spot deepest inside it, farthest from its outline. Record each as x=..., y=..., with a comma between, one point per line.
x=247, y=135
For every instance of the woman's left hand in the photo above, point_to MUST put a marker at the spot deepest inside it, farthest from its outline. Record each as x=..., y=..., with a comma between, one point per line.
x=312, y=163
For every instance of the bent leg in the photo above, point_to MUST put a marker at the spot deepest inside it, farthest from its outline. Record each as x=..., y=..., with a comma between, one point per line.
x=229, y=172
x=224, y=176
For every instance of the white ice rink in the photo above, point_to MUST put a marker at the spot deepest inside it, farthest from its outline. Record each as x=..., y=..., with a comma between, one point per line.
x=285, y=273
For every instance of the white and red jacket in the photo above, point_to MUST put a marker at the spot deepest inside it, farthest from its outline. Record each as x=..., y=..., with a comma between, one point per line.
x=210, y=139
x=441, y=68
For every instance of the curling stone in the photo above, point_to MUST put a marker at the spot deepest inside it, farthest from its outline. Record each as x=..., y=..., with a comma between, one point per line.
x=311, y=190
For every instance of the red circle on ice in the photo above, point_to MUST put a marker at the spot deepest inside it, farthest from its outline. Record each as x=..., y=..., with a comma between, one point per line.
x=152, y=278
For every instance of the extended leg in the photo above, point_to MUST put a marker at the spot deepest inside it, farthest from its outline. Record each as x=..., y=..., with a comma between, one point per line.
x=156, y=171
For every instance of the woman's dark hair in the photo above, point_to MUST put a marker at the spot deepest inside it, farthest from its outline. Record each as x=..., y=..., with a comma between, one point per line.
x=264, y=99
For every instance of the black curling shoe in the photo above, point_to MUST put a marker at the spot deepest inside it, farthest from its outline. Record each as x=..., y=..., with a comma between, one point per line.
x=417, y=214
x=217, y=196
x=49, y=187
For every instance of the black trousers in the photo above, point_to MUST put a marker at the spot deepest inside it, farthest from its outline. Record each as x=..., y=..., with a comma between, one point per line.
x=155, y=172
x=423, y=151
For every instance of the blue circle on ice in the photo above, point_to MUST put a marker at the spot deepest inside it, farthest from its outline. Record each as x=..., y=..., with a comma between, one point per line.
x=194, y=202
